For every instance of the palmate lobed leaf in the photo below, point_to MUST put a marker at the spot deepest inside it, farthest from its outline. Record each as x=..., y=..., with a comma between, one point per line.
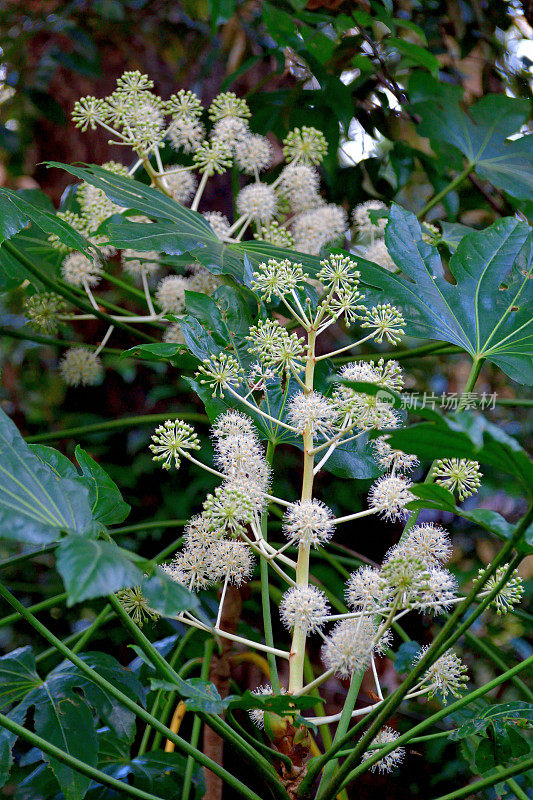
x=486, y=312
x=178, y=229
x=481, y=134
x=63, y=716
x=105, y=499
x=36, y=507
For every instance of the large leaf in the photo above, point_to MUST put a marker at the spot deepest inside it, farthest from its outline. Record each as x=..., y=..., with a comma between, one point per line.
x=487, y=310
x=107, y=504
x=35, y=505
x=61, y=715
x=168, y=597
x=177, y=230
x=94, y=568
x=156, y=772
x=16, y=213
x=518, y=713
x=105, y=499
x=482, y=134
x=466, y=435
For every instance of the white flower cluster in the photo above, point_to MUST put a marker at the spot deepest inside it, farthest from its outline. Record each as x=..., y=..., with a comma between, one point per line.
x=412, y=577
x=370, y=220
x=217, y=548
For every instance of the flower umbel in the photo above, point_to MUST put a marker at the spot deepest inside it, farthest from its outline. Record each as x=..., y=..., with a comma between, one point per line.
x=170, y=440
x=458, y=475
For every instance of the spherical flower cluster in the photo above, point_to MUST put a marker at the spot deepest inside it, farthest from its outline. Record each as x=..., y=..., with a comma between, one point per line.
x=428, y=542
x=78, y=270
x=43, y=311
x=349, y=646
x=312, y=413
x=134, y=603
x=257, y=201
x=314, y=229
x=277, y=278
x=180, y=183
x=367, y=411
x=170, y=294
x=306, y=144
x=389, y=495
x=211, y=157
x=305, y=607
x=299, y=184
x=458, y=475
x=221, y=371
x=253, y=154
x=510, y=594
x=219, y=223
x=393, y=759
x=370, y=217
x=339, y=271
x=366, y=590
x=170, y=440
x=275, y=346
x=228, y=104
x=186, y=133
x=390, y=459
x=232, y=562
x=230, y=131
x=81, y=367
x=139, y=262
x=385, y=321
x=447, y=675
x=308, y=522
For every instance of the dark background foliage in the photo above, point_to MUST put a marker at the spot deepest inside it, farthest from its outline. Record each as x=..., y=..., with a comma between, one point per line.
x=54, y=52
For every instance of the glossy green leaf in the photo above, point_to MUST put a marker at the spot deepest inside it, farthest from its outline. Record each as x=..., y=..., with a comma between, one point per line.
x=36, y=506
x=481, y=134
x=61, y=714
x=466, y=435
x=168, y=597
x=200, y=695
x=106, y=501
x=94, y=568
x=16, y=213
x=518, y=713
x=178, y=229
x=487, y=310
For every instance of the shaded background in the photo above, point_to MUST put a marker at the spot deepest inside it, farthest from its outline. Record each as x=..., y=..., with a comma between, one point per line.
x=52, y=53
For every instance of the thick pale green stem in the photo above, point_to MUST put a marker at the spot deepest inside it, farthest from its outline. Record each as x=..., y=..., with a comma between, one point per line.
x=297, y=656
x=265, y=596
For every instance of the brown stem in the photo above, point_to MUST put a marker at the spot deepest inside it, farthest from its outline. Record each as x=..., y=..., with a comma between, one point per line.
x=219, y=675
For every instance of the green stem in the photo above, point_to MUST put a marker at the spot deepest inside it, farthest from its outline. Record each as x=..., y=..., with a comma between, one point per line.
x=94, y=676
x=342, y=728
x=71, y=296
x=114, y=424
x=169, y=674
x=514, y=787
x=265, y=597
x=473, y=789
x=42, y=606
x=68, y=640
x=170, y=696
x=91, y=630
x=74, y=763
x=197, y=724
x=487, y=650
x=15, y=560
x=447, y=189
x=310, y=676
x=49, y=340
